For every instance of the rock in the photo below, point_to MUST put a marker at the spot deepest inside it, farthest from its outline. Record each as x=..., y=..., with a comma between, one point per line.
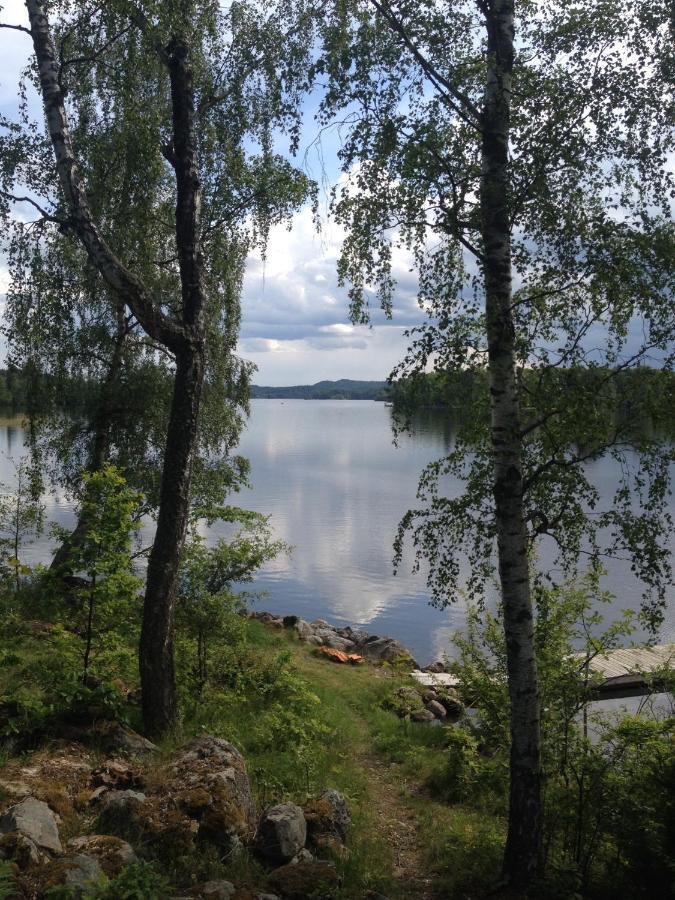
x=435, y=668
x=211, y=783
x=117, y=738
x=321, y=623
x=329, y=638
x=214, y=890
x=437, y=709
x=303, y=856
x=422, y=715
x=282, y=832
x=384, y=649
x=290, y=621
x=119, y=811
x=81, y=872
x=317, y=878
x=451, y=702
x=328, y=814
x=21, y=850
x=267, y=618
x=306, y=633
x=112, y=852
x=267, y=897
x=358, y=637
x=35, y=820
x=403, y=701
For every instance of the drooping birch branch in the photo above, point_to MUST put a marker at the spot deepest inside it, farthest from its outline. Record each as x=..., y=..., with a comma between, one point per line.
x=124, y=282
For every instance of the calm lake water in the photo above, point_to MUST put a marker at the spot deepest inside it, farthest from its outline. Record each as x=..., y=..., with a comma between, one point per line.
x=335, y=486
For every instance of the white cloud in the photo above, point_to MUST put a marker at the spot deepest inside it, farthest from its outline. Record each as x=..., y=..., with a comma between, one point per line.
x=294, y=312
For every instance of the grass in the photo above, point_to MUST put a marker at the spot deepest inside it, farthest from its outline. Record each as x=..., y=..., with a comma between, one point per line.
x=303, y=724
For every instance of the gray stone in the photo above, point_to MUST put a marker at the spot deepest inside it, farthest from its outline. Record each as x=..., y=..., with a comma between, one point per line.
x=303, y=856
x=267, y=897
x=422, y=715
x=216, y=890
x=282, y=832
x=306, y=633
x=210, y=775
x=328, y=814
x=437, y=709
x=81, y=872
x=384, y=649
x=358, y=637
x=329, y=638
x=35, y=820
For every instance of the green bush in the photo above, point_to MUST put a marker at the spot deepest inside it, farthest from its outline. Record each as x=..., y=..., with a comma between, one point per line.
x=609, y=823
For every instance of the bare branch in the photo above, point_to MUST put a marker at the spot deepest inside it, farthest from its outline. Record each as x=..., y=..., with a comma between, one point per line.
x=15, y=27
x=43, y=212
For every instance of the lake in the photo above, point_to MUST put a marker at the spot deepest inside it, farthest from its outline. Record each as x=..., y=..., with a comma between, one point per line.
x=335, y=486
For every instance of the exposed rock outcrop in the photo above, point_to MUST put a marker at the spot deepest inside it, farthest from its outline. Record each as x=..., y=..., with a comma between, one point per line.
x=36, y=821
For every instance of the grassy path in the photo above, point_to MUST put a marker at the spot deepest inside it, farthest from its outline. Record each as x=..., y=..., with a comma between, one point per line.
x=398, y=824
x=389, y=791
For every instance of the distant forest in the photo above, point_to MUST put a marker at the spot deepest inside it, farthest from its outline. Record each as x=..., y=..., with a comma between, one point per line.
x=464, y=391
x=344, y=389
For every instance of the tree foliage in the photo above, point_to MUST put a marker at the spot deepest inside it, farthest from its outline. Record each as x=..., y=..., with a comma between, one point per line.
x=589, y=194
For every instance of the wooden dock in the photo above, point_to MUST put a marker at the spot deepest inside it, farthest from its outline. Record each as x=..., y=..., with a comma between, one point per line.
x=630, y=672
x=618, y=673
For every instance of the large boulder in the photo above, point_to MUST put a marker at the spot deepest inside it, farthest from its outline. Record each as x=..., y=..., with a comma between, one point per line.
x=385, y=649
x=450, y=701
x=282, y=832
x=211, y=785
x=328, y=815
x=36, y=821
x=117, y=739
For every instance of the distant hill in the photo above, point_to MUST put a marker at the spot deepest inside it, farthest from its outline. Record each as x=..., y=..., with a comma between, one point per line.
x=344, y=389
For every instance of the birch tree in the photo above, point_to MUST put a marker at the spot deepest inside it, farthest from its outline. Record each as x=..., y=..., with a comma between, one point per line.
x=193, y=94
x=518, y=153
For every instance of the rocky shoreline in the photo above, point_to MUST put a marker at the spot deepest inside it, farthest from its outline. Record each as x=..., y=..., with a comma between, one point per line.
x=373, y=647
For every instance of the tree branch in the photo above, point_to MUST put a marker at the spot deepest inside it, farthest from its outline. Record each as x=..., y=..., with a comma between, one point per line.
x=43, y=212
x=126, y=283
x=459, y=101
x=15, y=27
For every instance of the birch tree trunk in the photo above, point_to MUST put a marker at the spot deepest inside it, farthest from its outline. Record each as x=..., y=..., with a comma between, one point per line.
x=184, y=335
x=158, y=687
x=521, y=859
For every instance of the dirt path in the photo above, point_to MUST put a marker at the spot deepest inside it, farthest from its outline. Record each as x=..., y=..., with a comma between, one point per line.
x=397, y=823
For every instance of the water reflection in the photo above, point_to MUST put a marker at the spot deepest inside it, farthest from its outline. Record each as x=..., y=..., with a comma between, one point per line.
x=335, y=487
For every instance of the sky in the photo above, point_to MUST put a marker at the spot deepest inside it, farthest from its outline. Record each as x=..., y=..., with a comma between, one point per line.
x=295, y=324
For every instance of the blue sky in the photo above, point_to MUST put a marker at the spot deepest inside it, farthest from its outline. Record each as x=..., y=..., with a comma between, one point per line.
x=295, y=325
